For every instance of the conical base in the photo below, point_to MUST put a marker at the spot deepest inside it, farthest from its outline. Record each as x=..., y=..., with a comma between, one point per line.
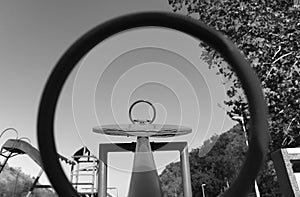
x=144, y=179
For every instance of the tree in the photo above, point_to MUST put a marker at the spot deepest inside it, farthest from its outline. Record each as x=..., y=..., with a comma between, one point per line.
x=13, y=182
x=217, y=168
x=267, y=33
x=171, y=177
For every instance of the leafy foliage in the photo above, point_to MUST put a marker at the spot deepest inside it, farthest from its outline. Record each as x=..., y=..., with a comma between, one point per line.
x=267, y=33
x=217, y=168
x=14, y=183
x=171, y=179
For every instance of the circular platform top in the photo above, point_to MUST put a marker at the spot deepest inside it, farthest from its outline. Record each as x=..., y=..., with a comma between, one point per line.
x=143, y=130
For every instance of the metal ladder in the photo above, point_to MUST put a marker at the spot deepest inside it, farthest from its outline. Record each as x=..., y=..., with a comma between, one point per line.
x=2, y=164
x=7, y=153
x=86, y=166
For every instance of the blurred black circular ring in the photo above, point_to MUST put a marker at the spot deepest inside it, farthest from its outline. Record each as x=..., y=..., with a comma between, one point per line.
x=250, y=83
x=144, y=121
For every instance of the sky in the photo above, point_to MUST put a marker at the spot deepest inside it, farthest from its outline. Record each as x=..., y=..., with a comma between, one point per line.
x=155, y=64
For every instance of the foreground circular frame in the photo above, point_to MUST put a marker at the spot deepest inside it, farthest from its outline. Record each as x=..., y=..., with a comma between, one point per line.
x=258, y=125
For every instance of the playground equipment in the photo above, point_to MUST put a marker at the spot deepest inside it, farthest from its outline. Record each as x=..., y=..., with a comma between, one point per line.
x=287, y=163
x=14, y=147
x=84, y=172
x=83, y=164
x=144, y=179
x=258, y=125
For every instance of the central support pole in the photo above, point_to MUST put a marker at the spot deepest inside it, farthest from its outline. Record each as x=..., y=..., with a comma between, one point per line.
x=144, y=178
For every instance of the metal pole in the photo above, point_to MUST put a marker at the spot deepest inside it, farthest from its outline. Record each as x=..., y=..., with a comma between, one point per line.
x=256, y=189
x=241, y=119
x=34, y=183
x=144, y=177
x=71, y=173
x=93, y=175
x=186, y=176
x=102, y=176
x=202, y=186
x=244, y=130
x=77, y=176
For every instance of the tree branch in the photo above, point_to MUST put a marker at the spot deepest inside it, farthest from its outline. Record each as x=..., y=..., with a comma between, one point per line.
x=281, y=57
x=277, y=52
x=288, y=128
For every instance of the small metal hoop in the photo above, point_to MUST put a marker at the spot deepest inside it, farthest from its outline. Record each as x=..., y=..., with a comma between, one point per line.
x=134, y=121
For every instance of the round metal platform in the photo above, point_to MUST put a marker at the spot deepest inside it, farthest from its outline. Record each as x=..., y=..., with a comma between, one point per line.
x=143, y=130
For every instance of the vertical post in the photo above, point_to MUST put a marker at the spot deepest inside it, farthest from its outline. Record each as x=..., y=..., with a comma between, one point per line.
x=285, y=173
x=242, y=121
x=203, y=192
x=244, y=130
x=71, y=173
x=185, y=169
x=77, y=176
x=144, y=177
x=34, y=183
x=97, y=178
x=257, y=193
x=102, y=176
x=256, y=189
x=93, y=174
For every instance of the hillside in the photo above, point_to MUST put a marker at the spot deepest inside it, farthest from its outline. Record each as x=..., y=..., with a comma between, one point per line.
x=14, y=183
x=216, y=164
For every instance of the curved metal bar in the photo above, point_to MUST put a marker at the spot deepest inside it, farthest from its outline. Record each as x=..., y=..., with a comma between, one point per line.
x=258, y=126
x=146, y=121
